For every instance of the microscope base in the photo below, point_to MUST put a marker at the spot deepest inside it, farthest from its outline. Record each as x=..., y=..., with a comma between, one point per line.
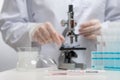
x=72, y=66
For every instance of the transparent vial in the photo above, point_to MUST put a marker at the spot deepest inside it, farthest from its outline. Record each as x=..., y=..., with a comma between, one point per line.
x=27, y=58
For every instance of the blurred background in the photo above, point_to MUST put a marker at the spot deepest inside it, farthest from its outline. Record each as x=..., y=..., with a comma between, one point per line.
x=8, y=57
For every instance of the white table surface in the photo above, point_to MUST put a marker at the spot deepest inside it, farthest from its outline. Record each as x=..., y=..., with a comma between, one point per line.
x=48, y=74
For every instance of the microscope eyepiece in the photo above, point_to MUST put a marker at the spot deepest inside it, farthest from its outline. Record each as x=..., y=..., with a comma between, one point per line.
x=70, y=8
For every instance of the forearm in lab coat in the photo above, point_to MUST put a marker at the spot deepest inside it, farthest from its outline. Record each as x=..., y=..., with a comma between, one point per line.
x=15, y=25
x=112, y=13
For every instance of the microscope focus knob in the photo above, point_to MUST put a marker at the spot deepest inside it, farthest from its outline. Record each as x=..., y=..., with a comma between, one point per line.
x=63, y=23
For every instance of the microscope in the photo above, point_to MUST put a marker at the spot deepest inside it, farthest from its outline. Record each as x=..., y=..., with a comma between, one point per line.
x=69, y=52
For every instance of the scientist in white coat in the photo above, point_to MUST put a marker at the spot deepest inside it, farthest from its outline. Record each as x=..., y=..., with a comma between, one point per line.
x=23, y=21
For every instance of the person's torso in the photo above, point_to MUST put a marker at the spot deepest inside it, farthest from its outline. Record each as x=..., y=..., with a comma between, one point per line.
x=56, y=10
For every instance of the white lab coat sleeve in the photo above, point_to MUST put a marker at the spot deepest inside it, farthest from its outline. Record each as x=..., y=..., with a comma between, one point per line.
x=112, y=12
x=14, y=23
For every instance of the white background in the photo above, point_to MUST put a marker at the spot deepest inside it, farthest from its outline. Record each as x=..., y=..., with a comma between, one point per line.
x=8, y=57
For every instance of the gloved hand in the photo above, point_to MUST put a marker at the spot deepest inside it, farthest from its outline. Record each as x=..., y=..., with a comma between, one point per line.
x=45, y=33
x=90, y=29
